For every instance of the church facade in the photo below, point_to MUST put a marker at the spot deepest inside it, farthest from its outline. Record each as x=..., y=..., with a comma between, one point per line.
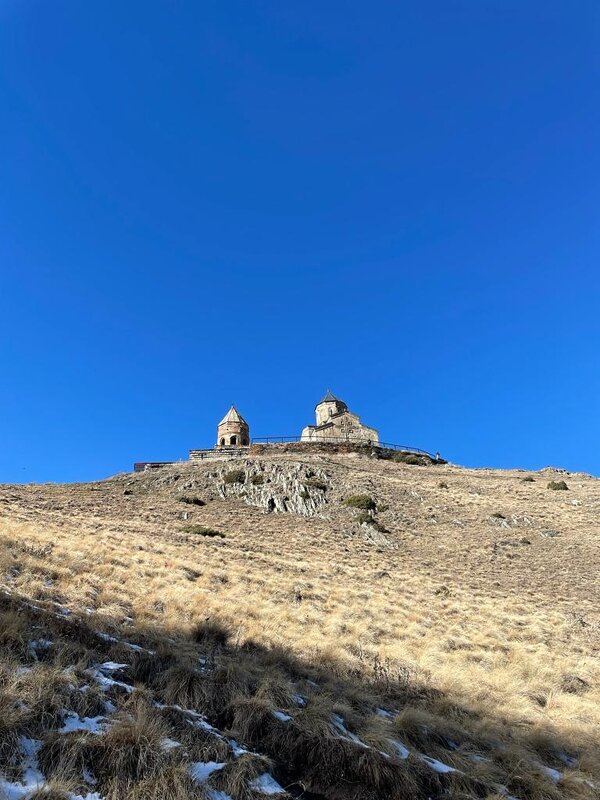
x=336, y=423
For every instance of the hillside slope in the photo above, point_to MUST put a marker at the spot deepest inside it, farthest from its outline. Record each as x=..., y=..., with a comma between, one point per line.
x=325, y=625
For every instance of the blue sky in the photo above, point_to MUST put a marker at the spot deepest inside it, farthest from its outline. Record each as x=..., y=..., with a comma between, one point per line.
x=250, y=202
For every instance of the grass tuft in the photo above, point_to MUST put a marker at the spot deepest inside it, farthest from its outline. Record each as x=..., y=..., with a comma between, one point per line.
x=192, y=500
x=558, y=486
x=314, y=482
x=363, y=502
x=202, y=530
x=234, y=476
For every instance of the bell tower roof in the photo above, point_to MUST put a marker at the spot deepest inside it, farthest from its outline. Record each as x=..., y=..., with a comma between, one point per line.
x=233, y=415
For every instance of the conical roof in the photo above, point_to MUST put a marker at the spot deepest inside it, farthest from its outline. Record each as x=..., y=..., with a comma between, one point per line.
x=331, y=398
x=233, y=415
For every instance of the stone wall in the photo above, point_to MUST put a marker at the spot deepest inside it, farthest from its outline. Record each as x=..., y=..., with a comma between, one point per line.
x=312, y=447
x=223, y=452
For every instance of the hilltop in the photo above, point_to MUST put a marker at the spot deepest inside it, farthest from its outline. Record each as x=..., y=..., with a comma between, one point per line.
x=326, y=625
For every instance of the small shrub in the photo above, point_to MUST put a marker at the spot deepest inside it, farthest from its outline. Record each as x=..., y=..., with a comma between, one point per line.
x=183, y=685
x=558, y=486
x=315, y=483
x=305, y=494
x=257, y=479
x=361, y=501
x=211, y=632
x=497, y=515
x=201, y=530
x=131, y=748
x=366, y=518
x=382, y=508
x=442, y=485
x=191, y=501
x=408, y=458
x=528, y=479
x=234, y=476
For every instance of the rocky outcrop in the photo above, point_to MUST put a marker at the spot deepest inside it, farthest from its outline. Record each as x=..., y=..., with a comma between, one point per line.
x=279, y=488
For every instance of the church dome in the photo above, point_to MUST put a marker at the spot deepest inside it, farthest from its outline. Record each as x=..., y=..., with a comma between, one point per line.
x=331, y=398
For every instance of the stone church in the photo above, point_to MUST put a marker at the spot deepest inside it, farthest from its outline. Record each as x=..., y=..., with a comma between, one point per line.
x=335, y=422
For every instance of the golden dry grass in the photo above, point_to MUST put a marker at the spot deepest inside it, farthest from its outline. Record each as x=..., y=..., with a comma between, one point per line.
x=471, y=614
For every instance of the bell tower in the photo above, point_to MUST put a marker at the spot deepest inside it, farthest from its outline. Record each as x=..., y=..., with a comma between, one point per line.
x=233, y=430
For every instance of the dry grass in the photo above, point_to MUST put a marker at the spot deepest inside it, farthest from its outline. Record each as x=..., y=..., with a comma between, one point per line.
x=471, y=617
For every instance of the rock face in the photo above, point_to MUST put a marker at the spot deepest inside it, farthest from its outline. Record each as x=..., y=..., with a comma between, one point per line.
x=281, y=488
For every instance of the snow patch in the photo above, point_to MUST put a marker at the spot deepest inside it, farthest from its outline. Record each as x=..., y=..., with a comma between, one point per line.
x=32, y=778
x=169, y=744
x=88, y=777
x=299, y=700
x=401, y=750
x=266, y=784
x=201, y=770
x=73, y=722
x=106, y=636
x=338, y=724
x=105, y=682
x=553, y=774
x=281, y=715
x=437, y=766
x=111, y=666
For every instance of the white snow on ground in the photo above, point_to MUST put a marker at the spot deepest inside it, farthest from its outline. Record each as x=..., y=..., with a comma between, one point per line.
x=111, y=666
x=113, y=639
x=553, y=774
x=104, y=681
x=266, y=784
x=32, y=778
x=401, y=750
x=106, y=636
x=237, y=749
x=213, y=794
x=436, y=765
x=73, y=722
x=281, y=715
x=39, y=644
x=201, y=770
x=169, y=744
x=299, y=700
x=383, y=712
x=88, y=777
x=198, y=721
x=30, y=749
x=343, y=731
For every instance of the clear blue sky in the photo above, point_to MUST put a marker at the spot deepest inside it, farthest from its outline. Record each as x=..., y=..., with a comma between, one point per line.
x=250, y=202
